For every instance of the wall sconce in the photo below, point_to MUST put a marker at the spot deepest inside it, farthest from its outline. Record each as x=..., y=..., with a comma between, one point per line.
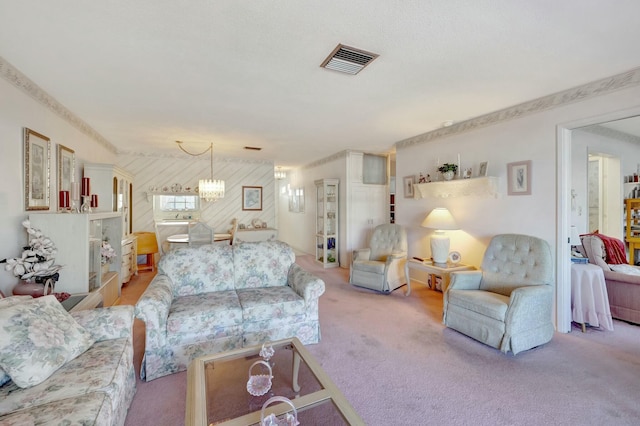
x=280, y=174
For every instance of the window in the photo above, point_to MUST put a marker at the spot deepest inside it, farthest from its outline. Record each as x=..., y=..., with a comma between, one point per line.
x=176, y=206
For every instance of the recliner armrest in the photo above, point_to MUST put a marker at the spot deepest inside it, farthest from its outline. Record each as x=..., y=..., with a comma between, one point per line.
x=361, y=254
x=465, y=280
x=529, y=305
x=153, y=308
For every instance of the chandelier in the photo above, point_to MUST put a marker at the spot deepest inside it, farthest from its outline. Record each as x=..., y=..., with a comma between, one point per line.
x=280, y=174
x=208, y=189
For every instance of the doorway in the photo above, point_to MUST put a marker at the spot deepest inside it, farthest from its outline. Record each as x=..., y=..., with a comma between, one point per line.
x=604, y=194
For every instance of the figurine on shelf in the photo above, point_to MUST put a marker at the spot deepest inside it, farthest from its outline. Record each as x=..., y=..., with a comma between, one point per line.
x=422, y=179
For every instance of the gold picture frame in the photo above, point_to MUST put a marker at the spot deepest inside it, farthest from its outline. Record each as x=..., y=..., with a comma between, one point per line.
x=37, y=159
x=66, y=168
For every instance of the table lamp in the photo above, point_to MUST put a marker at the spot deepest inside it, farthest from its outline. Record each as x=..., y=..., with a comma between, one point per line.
x=441, y=220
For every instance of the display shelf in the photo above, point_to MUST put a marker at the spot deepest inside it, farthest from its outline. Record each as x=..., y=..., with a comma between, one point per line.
x=486, y=186
x=327, y=222
x=78, y=239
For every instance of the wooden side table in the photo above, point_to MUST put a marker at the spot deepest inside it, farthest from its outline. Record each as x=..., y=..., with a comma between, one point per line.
x=434, y=270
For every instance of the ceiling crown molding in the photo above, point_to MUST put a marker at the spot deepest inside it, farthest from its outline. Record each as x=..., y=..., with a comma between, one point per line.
x=611, y=133
x=24, y=83
x=326, y=160
x=597, y=88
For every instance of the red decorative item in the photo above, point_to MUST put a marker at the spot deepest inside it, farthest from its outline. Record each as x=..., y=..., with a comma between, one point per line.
x=86, y=190
x=31, y=289
x=94, y=201
x=63, y=200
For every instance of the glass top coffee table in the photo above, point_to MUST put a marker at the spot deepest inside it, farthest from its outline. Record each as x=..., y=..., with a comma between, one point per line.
x=217, y=388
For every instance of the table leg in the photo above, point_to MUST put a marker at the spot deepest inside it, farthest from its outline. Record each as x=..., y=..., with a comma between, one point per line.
x=296, y=370
x=406, y=274
x=584, y=327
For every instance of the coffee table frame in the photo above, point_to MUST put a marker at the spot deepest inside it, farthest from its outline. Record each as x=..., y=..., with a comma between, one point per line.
x=196, y=412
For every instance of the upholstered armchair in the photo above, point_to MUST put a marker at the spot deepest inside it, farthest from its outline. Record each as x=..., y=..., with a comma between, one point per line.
x=623, y=281
x=508, y=303
x=381, y=266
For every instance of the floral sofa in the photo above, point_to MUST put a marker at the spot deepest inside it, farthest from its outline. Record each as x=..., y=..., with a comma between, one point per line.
x=215, y=298
x=61, y=368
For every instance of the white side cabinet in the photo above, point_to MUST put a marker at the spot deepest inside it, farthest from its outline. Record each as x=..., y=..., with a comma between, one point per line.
x=78, y=238
x=114, y=187
x=327, y=222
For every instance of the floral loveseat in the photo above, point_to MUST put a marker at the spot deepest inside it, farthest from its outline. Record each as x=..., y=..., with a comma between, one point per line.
x=215, y=298
x=64, y=369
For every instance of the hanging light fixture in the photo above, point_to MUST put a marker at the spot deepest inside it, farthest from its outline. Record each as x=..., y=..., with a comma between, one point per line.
x=280, y=174
x=208, y=189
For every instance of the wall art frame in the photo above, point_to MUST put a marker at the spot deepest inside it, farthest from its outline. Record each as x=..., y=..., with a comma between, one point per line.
x=407, y=184
x=519, y=178
x=252, y=198
x=482, y=171
x=37, y=168
x=66, y=168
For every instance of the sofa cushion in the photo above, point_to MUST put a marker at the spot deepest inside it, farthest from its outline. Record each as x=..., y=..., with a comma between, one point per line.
x=37, y=337
x=492, y=305
x=199, y=270
x=262, y=264
x=91, y=409
x=205, y=315
x=270, y=303
x=103, y=367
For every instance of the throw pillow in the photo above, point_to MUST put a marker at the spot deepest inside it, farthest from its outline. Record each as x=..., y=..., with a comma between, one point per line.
x=5, y=302
x=36, y=338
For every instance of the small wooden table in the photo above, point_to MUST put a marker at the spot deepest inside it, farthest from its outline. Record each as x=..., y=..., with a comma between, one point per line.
x=434, y=270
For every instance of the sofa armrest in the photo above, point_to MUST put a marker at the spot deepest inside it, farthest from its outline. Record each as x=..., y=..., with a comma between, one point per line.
x=396, y=255
x=304, y=283
x=113, y=322
x=619, y=276
x=465, y=280
x=153, y=308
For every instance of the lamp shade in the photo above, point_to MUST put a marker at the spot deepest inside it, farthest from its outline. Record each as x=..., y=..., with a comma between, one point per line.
x=574, y=238
x=441, y=219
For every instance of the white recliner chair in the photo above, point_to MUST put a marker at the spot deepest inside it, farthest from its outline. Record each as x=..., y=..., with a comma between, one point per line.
x=381, y=266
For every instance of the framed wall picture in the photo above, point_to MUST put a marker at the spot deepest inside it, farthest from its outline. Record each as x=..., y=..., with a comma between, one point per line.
x=519, y=178
x=483, y=168
x=251, y=198
x=37, y=157
x=66, y=168
x=407, y=184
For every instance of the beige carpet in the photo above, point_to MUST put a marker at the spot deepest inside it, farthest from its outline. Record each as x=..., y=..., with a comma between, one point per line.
x=398, y=365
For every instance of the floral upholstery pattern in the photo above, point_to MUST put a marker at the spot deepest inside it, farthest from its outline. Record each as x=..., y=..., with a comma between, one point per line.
x=270, y=298
x=95, y=388
x=47, y=336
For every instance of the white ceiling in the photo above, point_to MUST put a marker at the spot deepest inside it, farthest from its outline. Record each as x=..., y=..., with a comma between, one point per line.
x=145, y=73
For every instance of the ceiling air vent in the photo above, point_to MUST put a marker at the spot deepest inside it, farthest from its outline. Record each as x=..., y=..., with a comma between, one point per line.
x=348, y=60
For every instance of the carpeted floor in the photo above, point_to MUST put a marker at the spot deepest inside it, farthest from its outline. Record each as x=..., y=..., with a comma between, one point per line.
x=397, y=365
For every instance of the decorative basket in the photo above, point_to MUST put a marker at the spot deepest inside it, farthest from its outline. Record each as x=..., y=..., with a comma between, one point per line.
x=267, y=351
x=259, y=384
x=287, y=419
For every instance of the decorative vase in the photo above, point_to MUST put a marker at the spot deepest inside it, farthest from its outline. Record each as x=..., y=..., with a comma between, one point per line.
x=41, y=287
x=105, y=268
x=448, y=175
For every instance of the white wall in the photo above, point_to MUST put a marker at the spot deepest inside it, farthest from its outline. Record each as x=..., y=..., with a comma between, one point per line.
x=17, y=111
x=299, y=229
x=583, y=143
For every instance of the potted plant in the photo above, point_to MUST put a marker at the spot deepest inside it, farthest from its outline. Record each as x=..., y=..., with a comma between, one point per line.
x=448, y=170
x=107, y=253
